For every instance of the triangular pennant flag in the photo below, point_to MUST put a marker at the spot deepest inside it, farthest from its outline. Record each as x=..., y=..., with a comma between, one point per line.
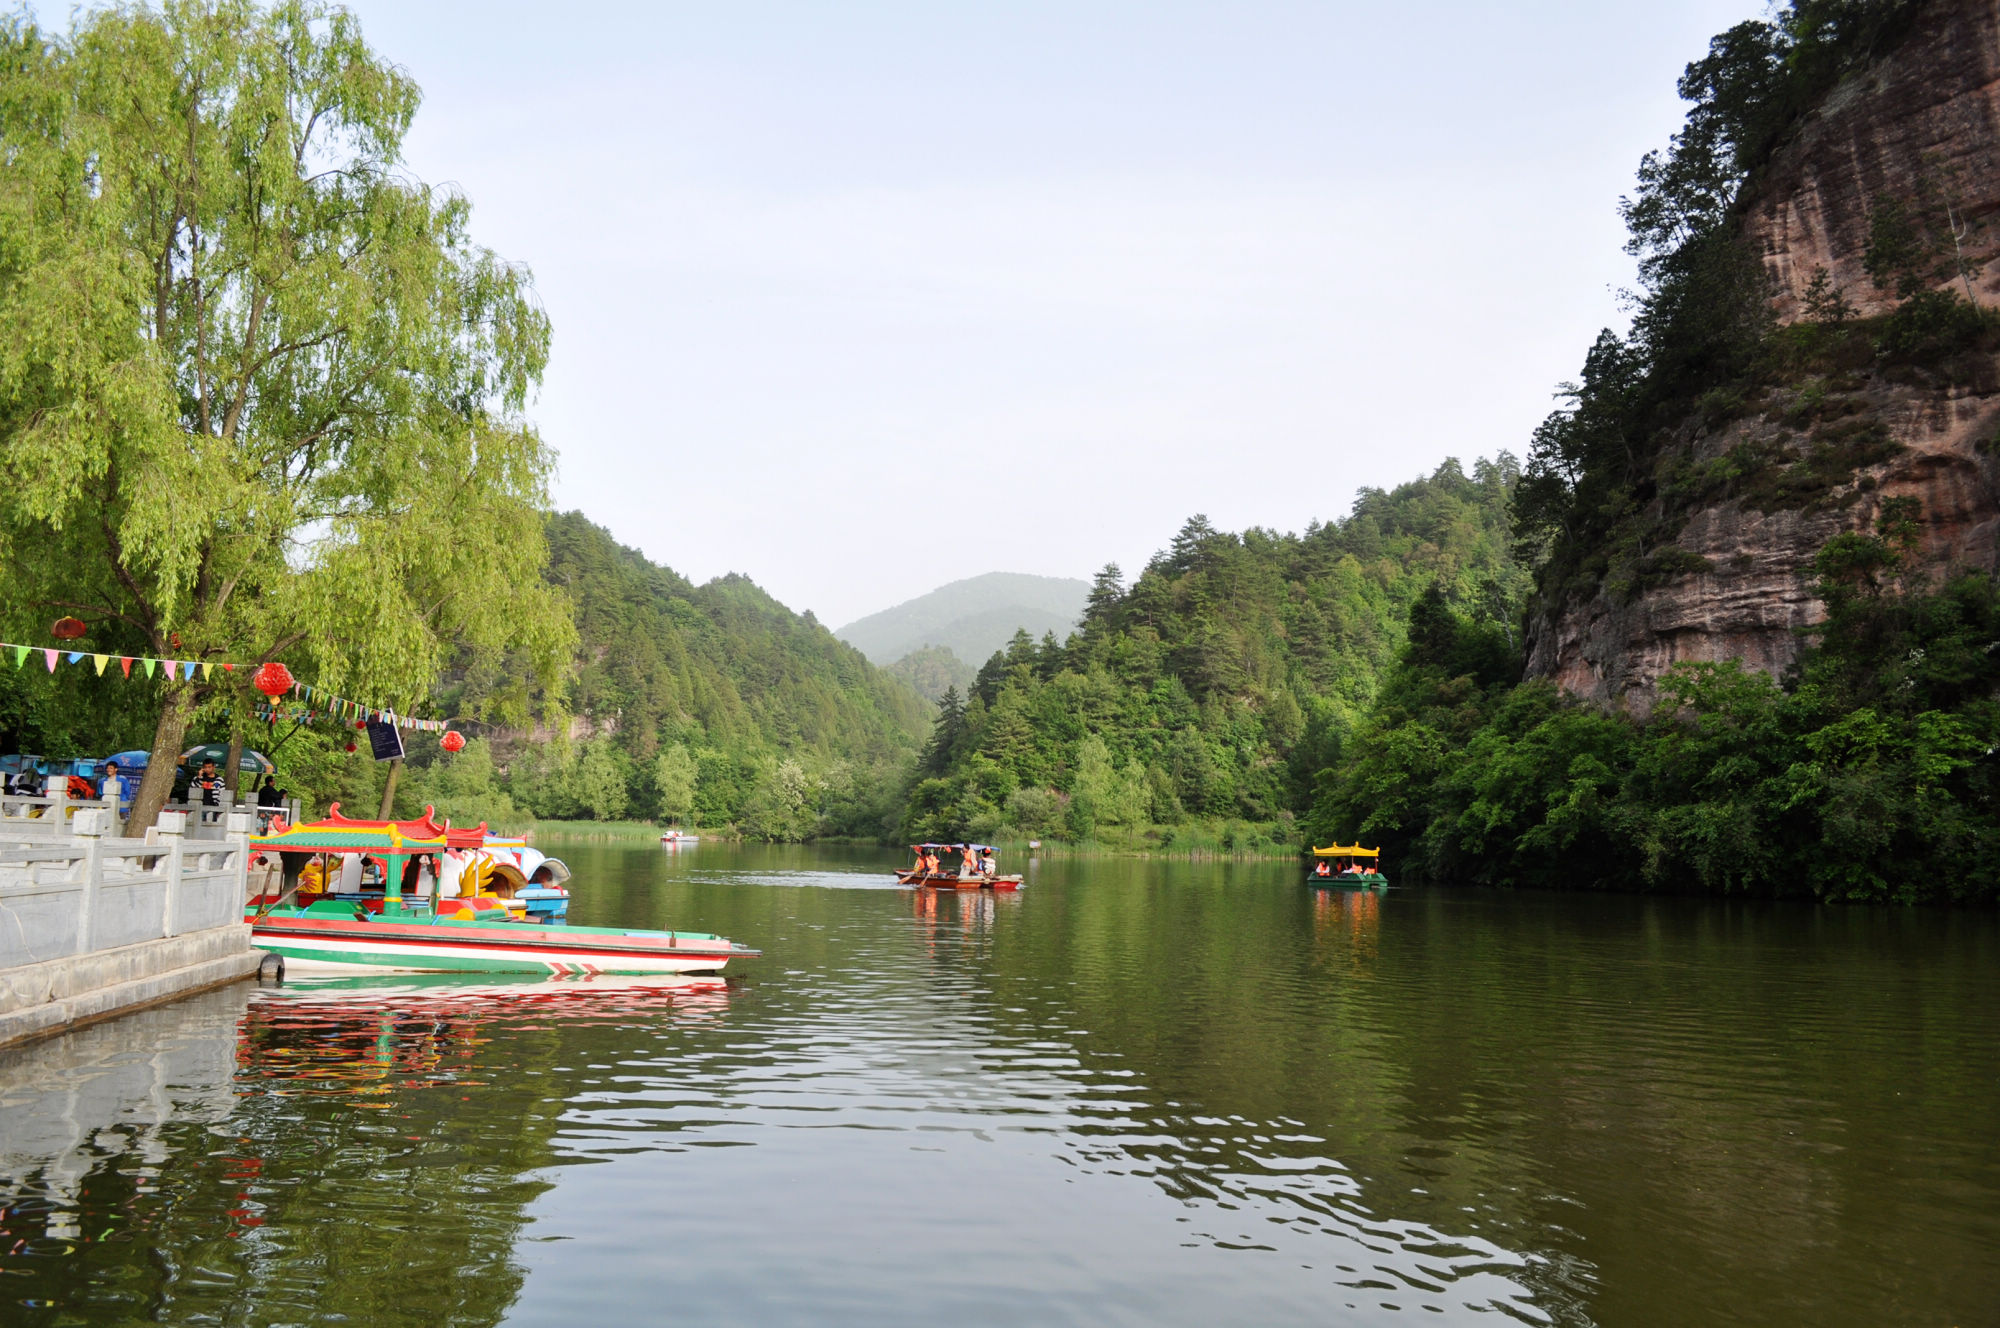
x=207, y=672
x=50, y=656
x=149, y=663
x=20, y=656
x=125, y=663
x=100, y=661
x=229, y=668
x=170, y=667
x=75, y=656
x=190, y=666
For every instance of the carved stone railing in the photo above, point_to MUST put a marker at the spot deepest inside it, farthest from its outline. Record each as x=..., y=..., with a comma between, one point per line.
x=71, y=888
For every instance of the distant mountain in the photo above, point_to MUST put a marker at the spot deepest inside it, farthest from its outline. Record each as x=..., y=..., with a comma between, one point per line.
x=972, y=618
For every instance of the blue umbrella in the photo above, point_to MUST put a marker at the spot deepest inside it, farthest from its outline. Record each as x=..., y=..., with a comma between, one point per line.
x=130, y=760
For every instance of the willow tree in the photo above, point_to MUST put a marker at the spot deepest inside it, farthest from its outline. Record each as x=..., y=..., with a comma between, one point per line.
x=261, y=395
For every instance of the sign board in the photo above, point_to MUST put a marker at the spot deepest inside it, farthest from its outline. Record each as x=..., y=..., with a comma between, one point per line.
x=385, y=740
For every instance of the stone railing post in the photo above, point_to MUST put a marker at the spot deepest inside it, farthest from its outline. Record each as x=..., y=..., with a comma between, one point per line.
x=56, y=789
x=173, y=830
x=89, y=828
x=239, y=827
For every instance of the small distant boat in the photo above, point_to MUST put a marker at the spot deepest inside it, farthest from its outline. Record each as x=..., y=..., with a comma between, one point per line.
x=1347, y=867
x=967, y=877
x=674, y=837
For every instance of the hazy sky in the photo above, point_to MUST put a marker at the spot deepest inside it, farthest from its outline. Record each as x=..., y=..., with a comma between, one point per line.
x=858, y=299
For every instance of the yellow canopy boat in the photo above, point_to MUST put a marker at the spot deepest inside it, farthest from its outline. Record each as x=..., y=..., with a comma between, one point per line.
x=1347, y=864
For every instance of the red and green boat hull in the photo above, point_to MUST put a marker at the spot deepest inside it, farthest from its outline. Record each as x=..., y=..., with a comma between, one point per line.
x=418, y=943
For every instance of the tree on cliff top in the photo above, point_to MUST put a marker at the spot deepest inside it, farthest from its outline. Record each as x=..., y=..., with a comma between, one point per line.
x=259, y=390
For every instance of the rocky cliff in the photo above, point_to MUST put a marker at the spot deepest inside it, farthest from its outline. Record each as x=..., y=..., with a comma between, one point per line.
x=1755, y=490
x=1922, y=122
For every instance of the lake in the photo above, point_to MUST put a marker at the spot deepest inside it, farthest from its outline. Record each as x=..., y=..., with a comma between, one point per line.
x=1137, y=1092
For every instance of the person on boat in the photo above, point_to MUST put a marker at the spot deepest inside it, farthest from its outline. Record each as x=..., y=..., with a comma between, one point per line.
x=968, y=861
x=986, y=863
x=918, y=849
x=1323, y=869
x=930, y=862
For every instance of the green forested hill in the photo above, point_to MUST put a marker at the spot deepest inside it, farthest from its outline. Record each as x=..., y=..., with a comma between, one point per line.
x=712, y=703
x=1215, y=685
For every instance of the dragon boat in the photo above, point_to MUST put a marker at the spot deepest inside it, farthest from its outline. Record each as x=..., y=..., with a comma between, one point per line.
x=408, y=928
x=1349, y=867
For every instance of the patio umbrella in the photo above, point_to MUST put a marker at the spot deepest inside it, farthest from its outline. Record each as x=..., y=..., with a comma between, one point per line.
x=131, y=760
x=252, y=763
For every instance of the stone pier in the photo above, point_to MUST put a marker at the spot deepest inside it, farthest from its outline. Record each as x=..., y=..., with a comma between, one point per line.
x=92, y=925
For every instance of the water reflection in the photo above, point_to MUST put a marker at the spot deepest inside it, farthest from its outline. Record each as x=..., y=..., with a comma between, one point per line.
x=1135, y=1093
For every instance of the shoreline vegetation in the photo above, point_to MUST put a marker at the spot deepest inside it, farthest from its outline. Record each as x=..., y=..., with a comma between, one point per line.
x=1243, y=840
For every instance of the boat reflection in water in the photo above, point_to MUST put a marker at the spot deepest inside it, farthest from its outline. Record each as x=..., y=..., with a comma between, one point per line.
x=1353, y=914
x=263, y=1154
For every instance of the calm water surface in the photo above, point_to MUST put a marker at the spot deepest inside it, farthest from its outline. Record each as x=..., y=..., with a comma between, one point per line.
x=1136, y=1093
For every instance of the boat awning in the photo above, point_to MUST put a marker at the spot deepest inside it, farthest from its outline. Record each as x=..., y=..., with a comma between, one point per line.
x=960, y=848
x=1351, y=851
x=338, y=834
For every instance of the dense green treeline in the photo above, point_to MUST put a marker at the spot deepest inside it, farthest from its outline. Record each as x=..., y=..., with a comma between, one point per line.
x=1214, y=687
x=709, y=704
x=1869, y=774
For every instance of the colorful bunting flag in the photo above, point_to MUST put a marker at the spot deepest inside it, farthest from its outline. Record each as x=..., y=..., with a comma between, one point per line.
x=50, y=656
x=100, y=661
x=149, y=663
x=125, y=663
x=20, y=656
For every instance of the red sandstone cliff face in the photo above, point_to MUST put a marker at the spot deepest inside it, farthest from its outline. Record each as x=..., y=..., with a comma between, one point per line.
x=1756, y=593
x=1926, y=117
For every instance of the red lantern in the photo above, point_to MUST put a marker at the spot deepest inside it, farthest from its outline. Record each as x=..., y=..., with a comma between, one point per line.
x=68, y=629
x=452, y=741
x=273, y=680
x=350, y=745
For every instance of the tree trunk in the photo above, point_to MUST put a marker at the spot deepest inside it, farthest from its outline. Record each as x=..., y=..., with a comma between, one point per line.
x=158, y=782
x=232, y=774
x=389, y=789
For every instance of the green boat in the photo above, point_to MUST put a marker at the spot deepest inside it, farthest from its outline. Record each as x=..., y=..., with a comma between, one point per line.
x=1347, y=867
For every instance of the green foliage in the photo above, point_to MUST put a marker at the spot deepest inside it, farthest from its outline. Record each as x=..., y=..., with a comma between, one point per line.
x=464, y=786
x=930, y=670
x=260, y=391
x=711, y=704
x=1870, y=776
x=1216, y=686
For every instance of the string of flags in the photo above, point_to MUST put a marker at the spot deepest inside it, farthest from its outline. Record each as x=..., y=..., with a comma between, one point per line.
x=321, y=702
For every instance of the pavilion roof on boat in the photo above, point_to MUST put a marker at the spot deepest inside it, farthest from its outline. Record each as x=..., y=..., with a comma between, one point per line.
x=1350, y=851
x=340, y=834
